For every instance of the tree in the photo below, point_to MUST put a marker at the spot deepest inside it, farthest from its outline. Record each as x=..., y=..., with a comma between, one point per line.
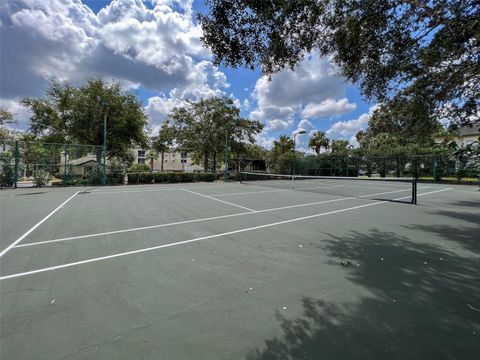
x=6, y=117
x=390, y=48
x=152, y=156
x=318, y=141
x=163, y=142
x=340, y=147
x=280, y=157
x=283, y=145
x=200, y=129
x=409, y=119
x=75, y=115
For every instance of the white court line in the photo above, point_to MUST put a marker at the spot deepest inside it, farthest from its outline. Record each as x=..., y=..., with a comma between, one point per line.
x=179, y=223
x=198, y=220
x=222, y=201
x=251, y=192
x=202, y=238
x=36, y=225
x=165, y=187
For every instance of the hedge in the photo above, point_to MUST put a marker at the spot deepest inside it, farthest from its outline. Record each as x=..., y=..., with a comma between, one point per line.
x=168, y=177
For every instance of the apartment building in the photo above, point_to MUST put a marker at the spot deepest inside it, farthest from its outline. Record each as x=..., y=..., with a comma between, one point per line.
x=465, y=135
x=172, y=161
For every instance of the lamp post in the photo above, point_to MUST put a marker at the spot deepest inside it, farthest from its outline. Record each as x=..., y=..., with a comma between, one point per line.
x=225, y=170
x=104, y=148
x=299, y=132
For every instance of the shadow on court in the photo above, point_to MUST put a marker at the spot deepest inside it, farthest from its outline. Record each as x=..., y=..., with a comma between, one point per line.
x=423, y=305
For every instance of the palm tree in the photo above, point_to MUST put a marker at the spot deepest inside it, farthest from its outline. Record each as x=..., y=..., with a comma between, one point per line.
x=152, y=156
x=162, y=143
x=318, y=141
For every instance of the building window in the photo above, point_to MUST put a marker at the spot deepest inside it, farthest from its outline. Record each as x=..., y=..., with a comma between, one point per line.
x=141, y=153
x=141, y=161
x=184, y=155
x=183, y=161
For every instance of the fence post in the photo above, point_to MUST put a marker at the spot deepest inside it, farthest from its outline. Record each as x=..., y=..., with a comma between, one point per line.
x=64, y=165
x=414, y=192
x=17, y=158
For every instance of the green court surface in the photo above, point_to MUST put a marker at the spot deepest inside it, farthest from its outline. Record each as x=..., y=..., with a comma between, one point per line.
x=233, y=271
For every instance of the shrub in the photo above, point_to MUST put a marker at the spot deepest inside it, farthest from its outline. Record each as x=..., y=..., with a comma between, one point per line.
x=41, y=178
x=207, y=177
x=139, y=168
x=7, y=169
x=115, y=178
x=140, y=178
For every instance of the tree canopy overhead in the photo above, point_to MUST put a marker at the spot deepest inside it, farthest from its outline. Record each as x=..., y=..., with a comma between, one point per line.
x=75, y=115
x=428, y=50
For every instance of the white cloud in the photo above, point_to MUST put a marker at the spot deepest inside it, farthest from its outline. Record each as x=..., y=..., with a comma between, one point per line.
x=246, y=105
x=264, y=140
x=353, y=141
x=303, y=139
x=158, y=108
x=158, y=49
x=329, y=107
x=277, y=125
x=310, y=90
x=349, y=128
x=19, y=112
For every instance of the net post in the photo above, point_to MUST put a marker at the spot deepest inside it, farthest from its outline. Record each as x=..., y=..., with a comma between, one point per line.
x=414, y=191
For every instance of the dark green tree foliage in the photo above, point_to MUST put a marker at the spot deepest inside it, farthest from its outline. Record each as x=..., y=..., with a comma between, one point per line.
x=403, y=121
x=200, y=129
x=340, y=147
x=318, y=141
x=75, y=115
x=428, y=50
x=280, y=157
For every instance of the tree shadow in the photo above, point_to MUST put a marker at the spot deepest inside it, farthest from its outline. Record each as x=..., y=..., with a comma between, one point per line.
x=423, y=305
x=467, y=203
x=465, y=236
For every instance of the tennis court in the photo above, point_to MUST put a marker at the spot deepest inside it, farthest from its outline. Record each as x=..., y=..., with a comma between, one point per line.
x=240, y=271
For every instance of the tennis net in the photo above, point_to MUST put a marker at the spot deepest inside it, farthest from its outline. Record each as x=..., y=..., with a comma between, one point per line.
x=391, y=189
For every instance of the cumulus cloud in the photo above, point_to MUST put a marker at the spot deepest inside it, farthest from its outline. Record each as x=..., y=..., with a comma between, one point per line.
x=158, y=108
x=345, y=129
x=311, y=90
x=157, y=48
x=329, y=107
x=264, y=140
x=277, y=125
x=303, y=139
x=19, y=112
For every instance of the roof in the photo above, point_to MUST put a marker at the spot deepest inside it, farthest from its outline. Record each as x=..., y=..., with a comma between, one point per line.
x=81, y=161
x=469, y=130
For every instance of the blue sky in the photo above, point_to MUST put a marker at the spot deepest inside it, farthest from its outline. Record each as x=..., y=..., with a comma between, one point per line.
x=153, y=48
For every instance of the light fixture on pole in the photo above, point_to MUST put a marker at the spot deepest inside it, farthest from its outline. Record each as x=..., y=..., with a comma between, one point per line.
x=298, y=132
